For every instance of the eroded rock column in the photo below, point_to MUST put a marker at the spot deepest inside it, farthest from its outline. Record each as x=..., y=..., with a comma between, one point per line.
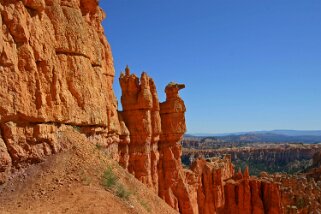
x=246, y=195
x=211, y=176
x=172, y=179
x=141, y=116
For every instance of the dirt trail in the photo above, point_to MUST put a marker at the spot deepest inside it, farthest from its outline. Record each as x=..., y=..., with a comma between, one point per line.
x=71, y=182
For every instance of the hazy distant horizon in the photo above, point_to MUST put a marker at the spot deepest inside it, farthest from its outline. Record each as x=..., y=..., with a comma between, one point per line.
x=296, y=132
x=247, y=65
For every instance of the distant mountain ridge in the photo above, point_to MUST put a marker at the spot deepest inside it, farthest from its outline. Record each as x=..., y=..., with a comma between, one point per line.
x=277, y=131
x=275, y=136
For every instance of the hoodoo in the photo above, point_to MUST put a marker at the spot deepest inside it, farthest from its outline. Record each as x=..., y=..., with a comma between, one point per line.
x=154, y=151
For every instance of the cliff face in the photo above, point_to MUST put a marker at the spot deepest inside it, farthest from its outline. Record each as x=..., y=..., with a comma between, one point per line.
x=56, y=75
x=56, y=68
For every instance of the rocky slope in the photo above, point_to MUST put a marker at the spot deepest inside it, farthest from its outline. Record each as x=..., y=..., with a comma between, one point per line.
x=56, y=78
x=71, y=182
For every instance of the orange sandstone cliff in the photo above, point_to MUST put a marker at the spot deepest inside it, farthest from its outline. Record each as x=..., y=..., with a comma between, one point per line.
x=56, y=69
x=56, y=74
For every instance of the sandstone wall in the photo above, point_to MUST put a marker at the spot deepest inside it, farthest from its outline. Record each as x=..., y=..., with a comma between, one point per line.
x=56, y=68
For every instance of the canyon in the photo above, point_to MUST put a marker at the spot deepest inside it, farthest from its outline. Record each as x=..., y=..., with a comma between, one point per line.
x=279, y=157
x=56, y=92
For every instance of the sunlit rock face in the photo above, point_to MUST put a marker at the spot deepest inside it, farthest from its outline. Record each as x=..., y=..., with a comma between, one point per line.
x=141, y=116
x=56, y=68
x=56, y=64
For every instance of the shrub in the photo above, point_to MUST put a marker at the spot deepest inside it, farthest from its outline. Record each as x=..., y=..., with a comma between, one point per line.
x=77, y=128
x=121, y=192
x=145, y=205
x=300, y=203
x=99, y=146
x=109, y=178
x=110, y=181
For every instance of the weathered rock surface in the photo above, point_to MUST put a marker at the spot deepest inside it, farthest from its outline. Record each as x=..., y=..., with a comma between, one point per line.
x=56, y=69
x=173, y=187
x=210, y=181
x=141, y=116
x=55, y=64
x=250, y=195
x=5, y=162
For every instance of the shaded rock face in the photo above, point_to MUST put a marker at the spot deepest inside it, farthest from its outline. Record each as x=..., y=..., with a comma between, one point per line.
x=173, y=187
x=56, y=68
x=5, y=162
x=210, y=177
x=219, y=190
x=316, y=159
x=251, y=195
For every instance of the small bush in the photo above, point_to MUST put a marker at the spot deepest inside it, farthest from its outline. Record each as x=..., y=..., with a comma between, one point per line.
x=300, y=203
x=121, y=192
x=110, y=181
x=99, y=146
x=109, y=178
x=145, y=205
x=86, y=180
x=77, y=128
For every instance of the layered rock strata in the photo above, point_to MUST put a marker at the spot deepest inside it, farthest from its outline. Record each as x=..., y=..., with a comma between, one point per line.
x=56, y=68
x=267, y=153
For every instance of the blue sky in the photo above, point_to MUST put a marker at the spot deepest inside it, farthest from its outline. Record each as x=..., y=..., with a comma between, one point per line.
x=247, y=65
